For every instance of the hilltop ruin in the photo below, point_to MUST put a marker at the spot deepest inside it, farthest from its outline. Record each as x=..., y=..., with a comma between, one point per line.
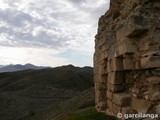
x=127, y=58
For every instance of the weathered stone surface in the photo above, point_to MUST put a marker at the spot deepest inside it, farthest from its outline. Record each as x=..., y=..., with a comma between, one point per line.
x=117, y=64
x=150, y=62
x=127, y=57
x=115, y=88
x=112, y=52
x=115, y=78
x=135, y=90
x=109, y=66
x=151, y=53
x=102, y=106
x=128, y=64
x=141, y=106
x=109, y=95
x=134, y=27
x=156, y=72
x=100, y=96
x=157, y=109
x=103, y=79
x=116, y=109
x=138, y=65
x=128, y=110
x=109, y=104
x=125, y=46
x=155, y=96
x=104, y=67
x=154, y=79
x=122, y=99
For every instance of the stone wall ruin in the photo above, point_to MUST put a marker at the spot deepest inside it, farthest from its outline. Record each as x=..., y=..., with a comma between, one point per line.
x=127, y=58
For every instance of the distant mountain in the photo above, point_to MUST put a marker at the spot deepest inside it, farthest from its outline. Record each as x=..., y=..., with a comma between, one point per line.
x=45, y=93
x=19, y=67
x=1, y=66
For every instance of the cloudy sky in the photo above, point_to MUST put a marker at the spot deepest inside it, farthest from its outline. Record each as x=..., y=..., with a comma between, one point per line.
x=49, y=32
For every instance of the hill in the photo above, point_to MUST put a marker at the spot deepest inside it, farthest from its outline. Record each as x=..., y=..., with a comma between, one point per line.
x=34, y=93
x=18, y=67
x=1, y=66
x=87, y=114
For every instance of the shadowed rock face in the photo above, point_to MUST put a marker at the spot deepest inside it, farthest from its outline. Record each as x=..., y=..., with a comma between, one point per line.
x=127, y=58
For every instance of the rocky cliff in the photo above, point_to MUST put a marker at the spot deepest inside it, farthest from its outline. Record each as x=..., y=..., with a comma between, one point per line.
x=127, y=58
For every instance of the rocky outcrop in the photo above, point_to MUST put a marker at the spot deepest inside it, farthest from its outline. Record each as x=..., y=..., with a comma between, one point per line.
x=127, y=58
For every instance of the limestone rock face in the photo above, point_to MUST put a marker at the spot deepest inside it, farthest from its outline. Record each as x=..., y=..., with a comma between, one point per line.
x=127, y=58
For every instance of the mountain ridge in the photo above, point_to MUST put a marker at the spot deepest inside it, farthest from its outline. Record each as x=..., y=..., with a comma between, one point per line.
x=24, y=93
x=19, y=67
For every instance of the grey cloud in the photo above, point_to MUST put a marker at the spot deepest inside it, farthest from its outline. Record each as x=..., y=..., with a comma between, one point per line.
x=21, y=37
x=64, y=23
x=13, y=17
x=42, y=39
x=76, y=2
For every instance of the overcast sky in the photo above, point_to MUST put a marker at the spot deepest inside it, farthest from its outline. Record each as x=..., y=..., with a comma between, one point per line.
x=49, y=32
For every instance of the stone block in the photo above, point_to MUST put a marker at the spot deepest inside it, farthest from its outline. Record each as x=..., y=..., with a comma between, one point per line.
x=102, y=106
x=128, y=56
x=154, y=79
x=156, y=72
x=154, y=88
x=101, y=86
x=146, y=97
x=157, y=109
x=117, y=64
x=100, y=96
x=97, y=69
x=150, y=62
x=96, y=78
x=112, y=52
x=116, y=109
x=104, y=67
x=109, y=37
x=151, y=53
x=138, y=65
x=115, y=78
x=134, y=27
x=122, y=99
x=115, y=88
x=109, y=104
x=103, y=79
x=135, y=90
x=97, y=58
x=125, y=46
x=128, y=64
x=155, y=96
x=109, y=95
x=134, y=95
x=109, y=66
x=140, y=105
x=105, y=54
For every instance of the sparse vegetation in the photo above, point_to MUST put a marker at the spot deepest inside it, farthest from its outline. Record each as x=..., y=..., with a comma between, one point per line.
x=34, y=94
x=89, y=114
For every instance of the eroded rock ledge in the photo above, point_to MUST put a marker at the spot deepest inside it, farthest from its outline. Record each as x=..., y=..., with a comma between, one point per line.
x=127, y=58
